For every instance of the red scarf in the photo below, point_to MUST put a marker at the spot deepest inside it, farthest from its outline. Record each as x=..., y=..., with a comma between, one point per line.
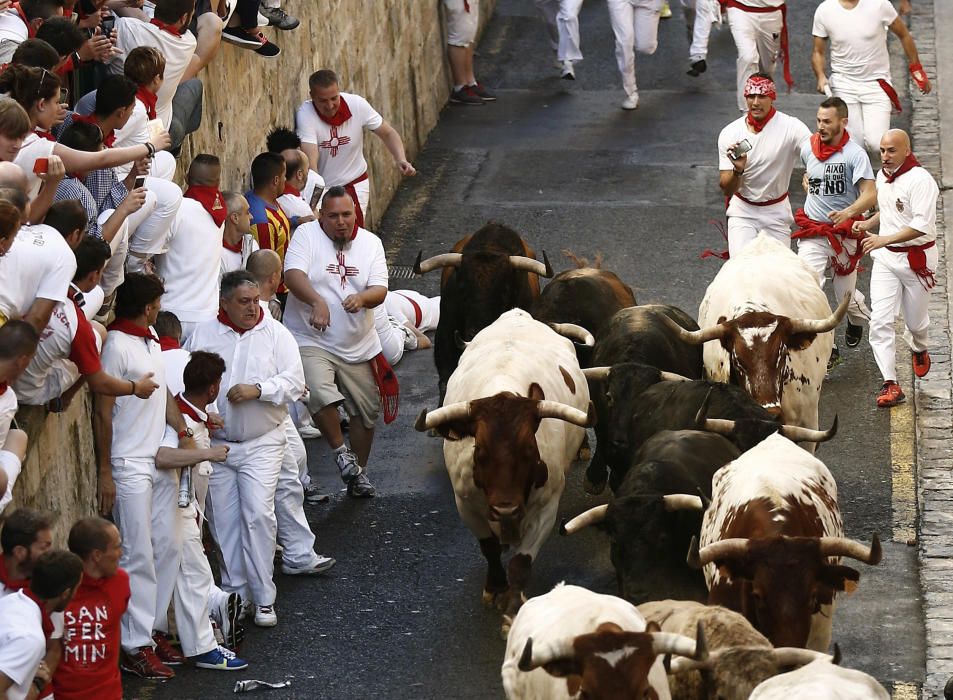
x=210, y=197
x=44, y=134
x=108, y=139
x=225, y=320
x=909, y=163
x=170, y=28
x=235, y=248
x=755, y=124
x=3, y=388
x=47, y=622
x=124, y=325
x=30, y=31
x=167, y=342
x=822, y=151
x=387, y=385
x=14, y=584
x=341, y=116
x=835, y=234
x=188, y=410
x=148, y=99
x=291, y=190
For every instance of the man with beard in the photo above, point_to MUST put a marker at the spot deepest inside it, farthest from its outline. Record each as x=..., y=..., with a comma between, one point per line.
x=840, y=188
x=337, y=274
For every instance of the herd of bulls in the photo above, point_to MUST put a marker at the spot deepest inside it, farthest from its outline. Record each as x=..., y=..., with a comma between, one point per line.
x=705, y=433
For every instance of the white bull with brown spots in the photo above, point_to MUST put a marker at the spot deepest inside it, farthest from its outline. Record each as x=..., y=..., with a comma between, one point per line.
x=821, y=681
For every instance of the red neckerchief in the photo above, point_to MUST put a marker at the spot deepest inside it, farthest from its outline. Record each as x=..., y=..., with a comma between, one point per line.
x=45, y=616
x=30, y=31
x=210, y=197
x=3, y=388
x=291, y=190
x=755, y=124
x=44, y=134
x=148, y=99
x=124, y=325
x=14, y=584
x=234, y=247
x=341, y=116
x=822, y=151
x=108, y=139
x=167, y=342
x=225, y=320
x=909, y=163
x=189, y=410
x=170, y=28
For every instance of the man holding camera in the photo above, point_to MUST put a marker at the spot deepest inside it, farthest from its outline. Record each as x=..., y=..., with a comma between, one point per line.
x=756, y=156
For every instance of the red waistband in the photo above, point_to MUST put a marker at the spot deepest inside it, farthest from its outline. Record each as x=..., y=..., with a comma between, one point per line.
x=748, y=8
x=359, y=178
x=891, y=94
x=762, y=204
x=908, y=248
x=418, y=314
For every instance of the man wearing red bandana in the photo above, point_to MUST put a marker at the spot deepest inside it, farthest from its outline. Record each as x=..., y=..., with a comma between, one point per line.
x=905, y=258
x=331, y=126
x=21, y=20
x=760, y=31
x=755, y=183
x=840, y=189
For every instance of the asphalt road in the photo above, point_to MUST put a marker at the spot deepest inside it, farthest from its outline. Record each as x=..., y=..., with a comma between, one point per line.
x=400, y=615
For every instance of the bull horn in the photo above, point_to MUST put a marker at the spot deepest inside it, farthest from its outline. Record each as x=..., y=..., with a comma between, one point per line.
x=843, y=547
x=574, y=332
x=695, y=337
x=723, y=549
x=521, y=262
x=459, y=341
x=433, y=419
x=585, y=519
x=796, y=433
x=554, y=409
x=722, y=426
x=549, y=267
x=684, y=665
x=679, y=644
x=794, y=656
x=534, y=658
x=837, y=655
x=436, y=262
x=595, y=374
x=681, y=501
x=803, y=325
x=673, y=377
x=703, y=409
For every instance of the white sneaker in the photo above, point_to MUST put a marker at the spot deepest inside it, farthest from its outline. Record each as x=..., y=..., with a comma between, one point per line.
x=265, y=616
x=309, y=432
x=630, y=102
x=262, y=20
x=566, y=71
x=324, y=563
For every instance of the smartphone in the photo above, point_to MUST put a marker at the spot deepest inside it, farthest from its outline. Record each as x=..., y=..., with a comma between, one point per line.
x=107, y=24
x=740, y=149
x=140, y=182
x=64, y=96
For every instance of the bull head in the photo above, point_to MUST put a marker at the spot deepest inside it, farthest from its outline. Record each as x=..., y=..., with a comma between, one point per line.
x=517, y=262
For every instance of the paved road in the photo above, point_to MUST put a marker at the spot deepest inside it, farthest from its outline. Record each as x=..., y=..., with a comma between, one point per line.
x=400, y=616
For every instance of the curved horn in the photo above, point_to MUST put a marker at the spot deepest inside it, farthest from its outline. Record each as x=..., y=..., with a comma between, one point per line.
x=703, y=410
x=803, y=325
x=584, y=519
x=428, y=420
x=733, y=547
x=794, y=656
x=436, y=262
x=668, y=643
x=684, y=665
x=554, y=409
x=681, y=501
x=534, y=658
x=549, y=267
x=459, y=341
x=722, y=426
x=695, y=337
x=595, y=374
x=796, y=433
x=521, y=262
x=672, y=377
x=574, y=332
x=837, y=655
x=843, y=547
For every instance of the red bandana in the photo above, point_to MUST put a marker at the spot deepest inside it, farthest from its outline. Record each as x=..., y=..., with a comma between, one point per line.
x=188, y=410
x=758, y=126
x=44, y=615
x=44, y=134
x=211, y=199
x=108, y=139
x=234, y=247
x=225, y=320
x=171, y=28
x=31, y=32
x=909, y=163
x=124, y=325
x=167, y=342
x=148, y=99
x=3, y=388
x=341, y=116
x=291, y=190
x=756, y=85
x=14, y=584
x=822, y=151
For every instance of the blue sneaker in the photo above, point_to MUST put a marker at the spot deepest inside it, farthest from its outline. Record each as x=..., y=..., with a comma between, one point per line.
x=219, y=659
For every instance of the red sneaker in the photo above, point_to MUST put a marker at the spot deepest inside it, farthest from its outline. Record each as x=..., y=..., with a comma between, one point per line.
x=921, y=363
x=167, y=653
x=145, y=664
x=890, y=395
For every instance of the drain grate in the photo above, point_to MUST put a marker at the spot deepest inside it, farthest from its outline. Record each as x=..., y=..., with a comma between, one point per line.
x=401, y=272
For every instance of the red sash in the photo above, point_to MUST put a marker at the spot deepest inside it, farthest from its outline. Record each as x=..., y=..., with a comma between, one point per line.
x=785, y=50
x=917, y=259
x=418, y=314
x=387, y=385
x=349, y=187
x=835, y=234
x=891, y=93
x=762, y=204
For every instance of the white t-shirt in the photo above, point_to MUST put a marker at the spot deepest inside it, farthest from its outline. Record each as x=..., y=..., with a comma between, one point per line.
x=8, y=409
x=175, y=361
x=39, y=264
x=138, y=424
x=136, y=130
x=858, y=37
x=232, y=260
x=190, y=267
x=294, y=206
x=910, y=200
x=335, y=275
x=177, y=50
x=340, y=148
x=406, y=304
x=22, y=642
x=833, y=183
x=33, y=147
x=774, y=151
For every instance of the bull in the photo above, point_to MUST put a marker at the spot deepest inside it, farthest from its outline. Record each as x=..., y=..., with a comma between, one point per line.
x=821, y=681
x=772, y=540
x=516, y=412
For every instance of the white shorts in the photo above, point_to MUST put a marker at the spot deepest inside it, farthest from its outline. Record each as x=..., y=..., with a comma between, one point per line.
x=462, y=25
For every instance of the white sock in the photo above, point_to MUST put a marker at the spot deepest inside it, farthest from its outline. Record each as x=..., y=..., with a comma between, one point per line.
x=340, y=450
x=457, y=87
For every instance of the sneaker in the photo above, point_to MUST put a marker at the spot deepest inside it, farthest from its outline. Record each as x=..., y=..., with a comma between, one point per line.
x=697, y=68
x=480, y=91
x=853, y=334
x=921, y=363
x=239, y=37
x=247, y=608
x=309, y=432
x=167, y=653
x=361, y=487
x=347, y=465
x=630, y=102
x=267, y=49
x=313, y=495
x=890, y=395
x=219, y=659
x=145, y=664
x=666, y=11
x=265, y=616
x=226, y=614
x=279, y=18
x=465, y=96
x=835, y=358
x=566, y=72
x=324, y=564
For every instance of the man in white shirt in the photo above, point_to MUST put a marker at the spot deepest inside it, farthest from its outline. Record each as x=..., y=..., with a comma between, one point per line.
x=237, y=241
x=905, y=259
x=263, y=374
x=760, y=31
x=331, y=125
x=635, y=26
x=860, y=62
x=757, y=180
x=402, y=320
x=336, y=273
x=21, y=22
x=296, y=179
x=562, y=24
x=18, y=341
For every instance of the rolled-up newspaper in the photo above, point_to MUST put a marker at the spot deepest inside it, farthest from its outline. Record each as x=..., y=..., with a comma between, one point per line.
x=155, y=127
x=252, y=684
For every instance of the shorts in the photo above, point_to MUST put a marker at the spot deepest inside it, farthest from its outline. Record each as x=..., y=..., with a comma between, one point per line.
x=331, y=380
x=462, y=25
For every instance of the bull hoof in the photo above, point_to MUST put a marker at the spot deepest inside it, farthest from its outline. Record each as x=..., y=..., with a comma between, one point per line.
x=593, y=488
x=505, y=627
x=489, y=598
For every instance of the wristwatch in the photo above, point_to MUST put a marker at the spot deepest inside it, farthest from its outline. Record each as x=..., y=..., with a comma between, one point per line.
x=258, y=386
x=186, y=433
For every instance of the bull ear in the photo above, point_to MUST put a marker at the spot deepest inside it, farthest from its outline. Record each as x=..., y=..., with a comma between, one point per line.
x=540, y=474
x=800, y=341
x=838, y=578
x=734, y=568
x=563, y=668
x=536, y=392
x=455, y=429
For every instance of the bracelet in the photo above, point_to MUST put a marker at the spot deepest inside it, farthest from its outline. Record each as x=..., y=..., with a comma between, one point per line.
x=151, y=149
x=133, y=392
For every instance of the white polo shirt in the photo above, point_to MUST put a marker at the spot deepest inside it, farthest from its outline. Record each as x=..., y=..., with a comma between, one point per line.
x=340, y=148
x=910, y=200
x=22, y=642
x=40, y=264
x=858, y=37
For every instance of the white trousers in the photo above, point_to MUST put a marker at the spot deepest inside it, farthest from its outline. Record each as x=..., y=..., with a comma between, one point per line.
x=562, y=23
x=150, y=227
x=894, y=285
x=704, y=12
x=294, y=533
x=817, y=253
x=758, y=38
x=193, y=589
x=114, y=273
x=635, y=25
x=868, y=110
x=241, y=499
x=150, y=525
x=743, y=229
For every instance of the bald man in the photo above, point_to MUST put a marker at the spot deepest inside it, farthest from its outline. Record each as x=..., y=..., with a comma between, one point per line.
x=238, y=243
x=265, y=265
x=905, y=258
x=292, y=201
